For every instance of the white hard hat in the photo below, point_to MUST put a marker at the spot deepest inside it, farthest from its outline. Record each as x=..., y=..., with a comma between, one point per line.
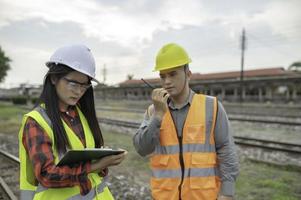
x=77, y=57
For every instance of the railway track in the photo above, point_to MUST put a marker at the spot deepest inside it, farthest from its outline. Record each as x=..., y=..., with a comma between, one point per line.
x=239, y=140
x=291, y=121
x=284, y=115
x=9, y=185
x=268, y=144
x=245, y=117
x=9, y=168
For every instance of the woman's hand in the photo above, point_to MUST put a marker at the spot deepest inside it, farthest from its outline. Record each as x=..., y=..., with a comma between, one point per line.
x=107, y=162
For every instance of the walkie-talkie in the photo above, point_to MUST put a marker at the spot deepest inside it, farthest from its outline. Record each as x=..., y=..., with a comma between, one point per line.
x=152, y=87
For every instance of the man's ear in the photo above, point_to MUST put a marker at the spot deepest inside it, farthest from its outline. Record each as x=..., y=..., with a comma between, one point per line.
x=150, y=110
x=189, y=74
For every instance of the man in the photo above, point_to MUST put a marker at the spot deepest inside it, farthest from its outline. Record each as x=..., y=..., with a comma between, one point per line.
x=187, y=135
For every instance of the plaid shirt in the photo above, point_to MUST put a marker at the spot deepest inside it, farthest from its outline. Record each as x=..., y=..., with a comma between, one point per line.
x=39, y=147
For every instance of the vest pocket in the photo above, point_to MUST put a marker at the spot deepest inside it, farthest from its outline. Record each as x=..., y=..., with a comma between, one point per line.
x=165, y=188
x=197, y=159
x=201, y=188
x=167, y=136
x=164, y=160
x=164, y=184
x=160, y=161
x=195, y=134
x=203, y=182
x=203, y=159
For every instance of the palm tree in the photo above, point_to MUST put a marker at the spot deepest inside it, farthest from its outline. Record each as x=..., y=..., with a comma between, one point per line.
x=296, y=66
x=4, y=65
x=130, y=76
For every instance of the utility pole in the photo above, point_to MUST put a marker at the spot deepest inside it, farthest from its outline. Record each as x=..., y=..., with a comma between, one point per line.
x=104, y=71
x=243, y=47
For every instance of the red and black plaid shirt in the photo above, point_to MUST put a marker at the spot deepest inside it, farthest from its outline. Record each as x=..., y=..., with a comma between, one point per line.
x=39, y=147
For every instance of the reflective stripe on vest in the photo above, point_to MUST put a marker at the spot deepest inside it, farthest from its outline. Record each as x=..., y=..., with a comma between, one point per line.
x=27, y=194
x=91, y=195
x=26, y=173
x=200, y=173
x=173, y=149
x=192, y=172
x=100, y=188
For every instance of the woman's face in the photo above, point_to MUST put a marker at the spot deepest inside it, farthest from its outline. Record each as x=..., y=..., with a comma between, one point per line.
x=70, y=88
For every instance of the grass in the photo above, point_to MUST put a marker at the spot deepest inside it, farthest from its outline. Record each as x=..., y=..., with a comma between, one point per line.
x=134, y=165
x=121, y=115
x=123, y=104
x=8, y=111
x=262, y=181
x=10, y=117
x=257, y=181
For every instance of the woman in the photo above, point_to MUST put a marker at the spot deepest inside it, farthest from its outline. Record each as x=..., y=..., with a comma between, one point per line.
x=64, y=119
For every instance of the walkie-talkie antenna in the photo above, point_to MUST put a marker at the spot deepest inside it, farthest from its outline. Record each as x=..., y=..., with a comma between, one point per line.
x=149, y=85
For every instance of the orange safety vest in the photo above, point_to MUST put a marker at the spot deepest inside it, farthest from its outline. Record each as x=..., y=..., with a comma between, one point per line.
x=186, y=167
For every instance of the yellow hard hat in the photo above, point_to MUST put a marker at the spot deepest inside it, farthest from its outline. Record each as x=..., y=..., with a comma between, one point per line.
x=171, y=56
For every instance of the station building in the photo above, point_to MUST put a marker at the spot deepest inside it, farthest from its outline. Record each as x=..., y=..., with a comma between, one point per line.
x=259, y=85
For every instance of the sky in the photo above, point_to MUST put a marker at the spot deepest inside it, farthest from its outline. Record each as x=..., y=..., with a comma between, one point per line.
x=125, y=35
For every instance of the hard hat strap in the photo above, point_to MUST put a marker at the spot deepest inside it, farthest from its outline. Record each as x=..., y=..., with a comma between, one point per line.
x=185, y=71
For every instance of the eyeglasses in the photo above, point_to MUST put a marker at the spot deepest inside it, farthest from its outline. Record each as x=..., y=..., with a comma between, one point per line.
x=74, y=85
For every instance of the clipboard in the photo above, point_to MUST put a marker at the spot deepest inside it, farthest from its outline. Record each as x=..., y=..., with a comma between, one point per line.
x=84, y=155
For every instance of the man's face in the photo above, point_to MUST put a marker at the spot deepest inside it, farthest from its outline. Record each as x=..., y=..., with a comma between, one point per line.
x=174, y=80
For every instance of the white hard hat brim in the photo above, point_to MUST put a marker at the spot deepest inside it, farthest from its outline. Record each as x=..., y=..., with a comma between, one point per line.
x=49, y=63
x=77, y=57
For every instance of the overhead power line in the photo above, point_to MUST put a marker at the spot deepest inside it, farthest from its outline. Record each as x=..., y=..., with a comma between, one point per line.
x=266, y=44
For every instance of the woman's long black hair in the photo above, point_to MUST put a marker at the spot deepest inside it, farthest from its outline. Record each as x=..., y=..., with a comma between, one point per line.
x=50, y=98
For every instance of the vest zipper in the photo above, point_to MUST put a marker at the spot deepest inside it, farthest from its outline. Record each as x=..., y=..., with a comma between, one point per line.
x=180, y=139
x=182, y=164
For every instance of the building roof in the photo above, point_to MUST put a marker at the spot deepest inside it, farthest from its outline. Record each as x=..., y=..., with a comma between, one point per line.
x=268, y=72
x=248, y=73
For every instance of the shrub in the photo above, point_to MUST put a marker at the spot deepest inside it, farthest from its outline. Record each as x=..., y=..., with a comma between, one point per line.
x=19, y=100
x=34, y=100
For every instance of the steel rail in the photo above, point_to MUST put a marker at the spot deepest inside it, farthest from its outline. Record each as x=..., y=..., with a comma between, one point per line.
x=10, y=156
x=240, y=140
x=234, y=117
x=8, y=192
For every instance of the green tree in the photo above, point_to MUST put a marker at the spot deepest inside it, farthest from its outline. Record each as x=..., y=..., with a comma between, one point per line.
x=295, y=66
x=4, y=65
